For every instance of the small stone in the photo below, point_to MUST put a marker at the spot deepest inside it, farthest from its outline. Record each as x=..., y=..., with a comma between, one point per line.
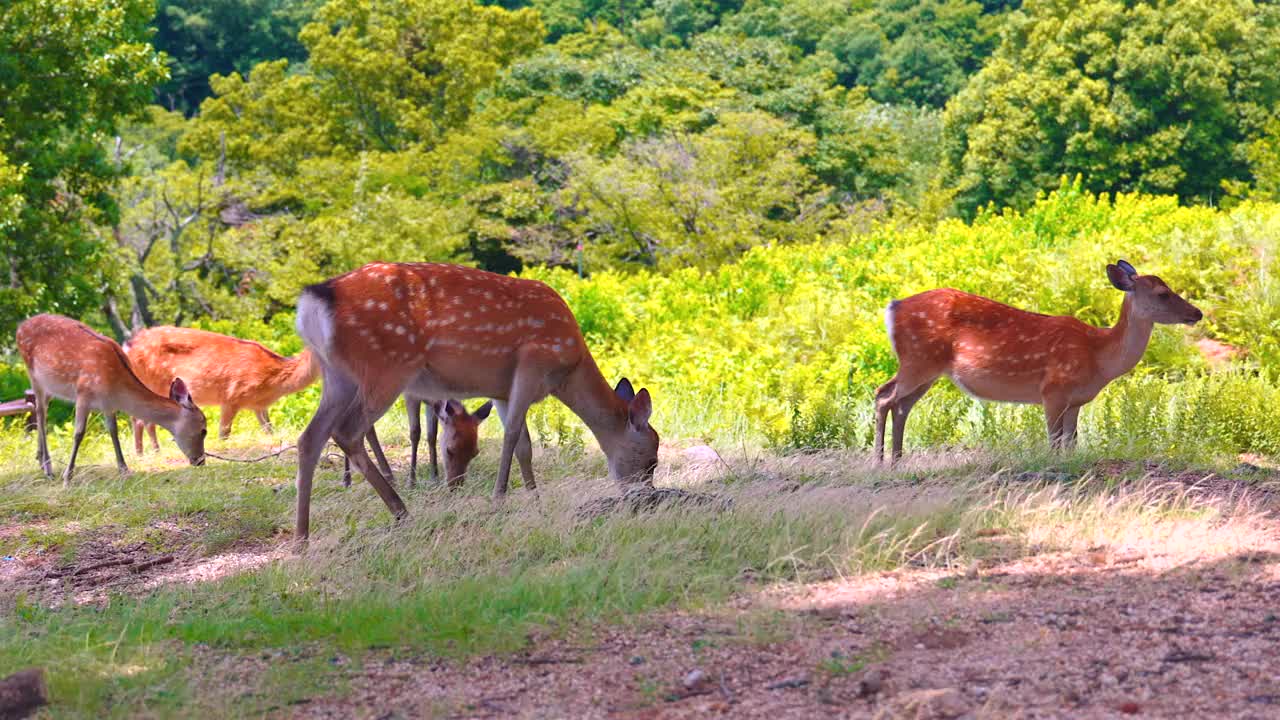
x=872, y=682
x=694, y=679
x=637, y=660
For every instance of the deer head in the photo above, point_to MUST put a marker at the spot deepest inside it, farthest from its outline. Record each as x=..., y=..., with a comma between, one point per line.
x=190, y=429
x=460, y=436
x=1151, y=298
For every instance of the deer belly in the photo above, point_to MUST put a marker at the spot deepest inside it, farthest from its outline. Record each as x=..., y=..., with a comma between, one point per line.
x=999, y=387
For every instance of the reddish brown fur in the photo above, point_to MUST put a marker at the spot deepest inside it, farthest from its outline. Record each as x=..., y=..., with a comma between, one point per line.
x=68, y=360
x=448, y=331
x=996, y=352
x=228, y=372
x=393, y=319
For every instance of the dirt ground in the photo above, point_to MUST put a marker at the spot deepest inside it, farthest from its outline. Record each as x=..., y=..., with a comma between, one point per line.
x=1095, y=635
x=1184, y=622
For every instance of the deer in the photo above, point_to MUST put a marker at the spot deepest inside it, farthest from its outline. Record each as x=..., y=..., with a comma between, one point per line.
x=461, y=440
x=438, y=331
x=66, y=359
x=225, y=371
x=992, y=351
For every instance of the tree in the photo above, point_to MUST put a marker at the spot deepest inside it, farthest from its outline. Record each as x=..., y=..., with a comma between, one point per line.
x=208, y=37
x=406, y=71
x=1153, y=96
x=69, y=69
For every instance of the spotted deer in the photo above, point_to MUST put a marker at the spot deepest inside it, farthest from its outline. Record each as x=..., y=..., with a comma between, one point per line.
x=461, y=440
x=995, y=352
x=68, y=360
x=228, y=372
x=440, y=331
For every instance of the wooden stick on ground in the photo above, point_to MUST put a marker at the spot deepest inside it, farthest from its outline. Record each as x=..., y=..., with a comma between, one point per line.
x=21, y=693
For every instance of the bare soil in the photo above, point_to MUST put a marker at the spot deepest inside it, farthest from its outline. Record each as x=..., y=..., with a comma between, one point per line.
x=1179, y=623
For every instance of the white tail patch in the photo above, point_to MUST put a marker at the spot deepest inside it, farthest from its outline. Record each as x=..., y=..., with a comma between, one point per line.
x=888, y=322
x=315, y=324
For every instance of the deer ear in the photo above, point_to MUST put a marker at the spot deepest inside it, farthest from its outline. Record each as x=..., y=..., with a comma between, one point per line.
x=1120, y=279
x=482, y=412
x=624, y=390
x=178, y=393
x=639, y=409
x=1127, y=268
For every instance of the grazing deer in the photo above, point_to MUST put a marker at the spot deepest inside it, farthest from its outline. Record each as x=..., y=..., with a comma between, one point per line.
x=67, y=360
x=231, y=373
x=440, y=331
x=996, y=352
x=461, y=440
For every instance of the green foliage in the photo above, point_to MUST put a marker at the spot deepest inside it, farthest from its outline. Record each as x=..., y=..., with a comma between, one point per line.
x=68, y=70
x=208, y=37
x=1152, y=96
x=792, y=337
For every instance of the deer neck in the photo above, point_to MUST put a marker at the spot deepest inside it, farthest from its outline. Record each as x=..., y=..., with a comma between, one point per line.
x=587, y=393
x=139, y=402
x=1126, y=341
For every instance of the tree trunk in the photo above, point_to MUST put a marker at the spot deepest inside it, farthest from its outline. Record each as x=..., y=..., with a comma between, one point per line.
x=21, y=693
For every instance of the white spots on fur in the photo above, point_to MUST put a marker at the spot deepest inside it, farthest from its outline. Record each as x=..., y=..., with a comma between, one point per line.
x=400, y=330
x=383, y=306
x=370, y=304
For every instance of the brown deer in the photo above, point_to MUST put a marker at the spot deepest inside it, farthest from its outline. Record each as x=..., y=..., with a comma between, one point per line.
x=461, y=440
x=231, y=373
x=66, y=359
x=442, y=331
x=996, y=352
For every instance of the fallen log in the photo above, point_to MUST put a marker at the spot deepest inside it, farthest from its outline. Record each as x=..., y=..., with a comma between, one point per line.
x=22, y=693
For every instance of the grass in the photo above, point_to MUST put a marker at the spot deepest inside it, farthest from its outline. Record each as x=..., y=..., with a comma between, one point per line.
x=462, y=576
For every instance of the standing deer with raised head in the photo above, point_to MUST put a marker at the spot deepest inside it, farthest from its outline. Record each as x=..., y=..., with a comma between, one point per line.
x=442, y=331
x=996, y=352
x=231, y=373
x=461, y=440
x=66, y=359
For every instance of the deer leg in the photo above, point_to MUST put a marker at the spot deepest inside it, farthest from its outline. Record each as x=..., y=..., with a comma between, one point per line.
x=82, y=420
x=339, y=397
x=350, y=436
x=139, y=428
x=264, y=421
x=901, y=409
x=524, y=448
x=346, y=470
x=1069, y=424
x=42, y=432
x=109, y=419
x=523, y=394
x=383, y=465
x=884, y=404
x=226, y=419
x=413, y=408
x=1055, y=410
x=433, y=430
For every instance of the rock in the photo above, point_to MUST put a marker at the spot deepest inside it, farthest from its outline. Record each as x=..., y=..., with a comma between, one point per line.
x=937, y=704
x=701, y=455
x=694, y=679
x=642, y=498
x=872, y=682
